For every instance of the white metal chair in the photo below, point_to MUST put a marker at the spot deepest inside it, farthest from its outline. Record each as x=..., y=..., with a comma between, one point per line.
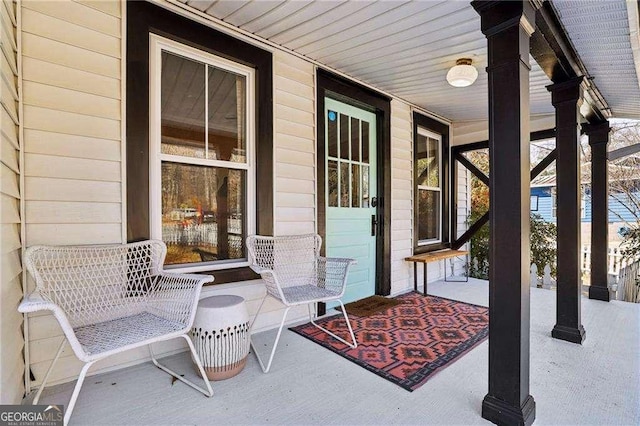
x=112, y=298
x=295, y=274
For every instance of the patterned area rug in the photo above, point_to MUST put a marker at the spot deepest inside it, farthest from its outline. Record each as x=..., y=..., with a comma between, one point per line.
x=408, y=343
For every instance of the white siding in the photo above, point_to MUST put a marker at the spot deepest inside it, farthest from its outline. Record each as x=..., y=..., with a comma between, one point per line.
x=401, y=196
x=294, y=145
x=463, y=209
x=11, y=340
x=72, y=142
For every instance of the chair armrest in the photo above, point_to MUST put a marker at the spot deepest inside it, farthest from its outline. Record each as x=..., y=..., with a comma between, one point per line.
x=35, y=302
x=270, y=280
x=194, y=279
x=332, y=272
x=175, y=296
x=260, y=270
x=339, y=260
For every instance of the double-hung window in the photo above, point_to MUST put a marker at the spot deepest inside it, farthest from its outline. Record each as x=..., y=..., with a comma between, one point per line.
x=202, y=162
x=428, y=165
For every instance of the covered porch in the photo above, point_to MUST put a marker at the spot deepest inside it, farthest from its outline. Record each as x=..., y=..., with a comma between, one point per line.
x=87, y=132
x=592, y=383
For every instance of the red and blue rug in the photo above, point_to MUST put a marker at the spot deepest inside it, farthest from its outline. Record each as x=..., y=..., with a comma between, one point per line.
x=409, y=343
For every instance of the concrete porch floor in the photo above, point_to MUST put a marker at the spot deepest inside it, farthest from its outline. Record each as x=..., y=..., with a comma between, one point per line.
x=596, y=383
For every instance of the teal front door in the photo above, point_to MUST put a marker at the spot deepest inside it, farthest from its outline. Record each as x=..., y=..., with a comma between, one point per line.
x=350, y=191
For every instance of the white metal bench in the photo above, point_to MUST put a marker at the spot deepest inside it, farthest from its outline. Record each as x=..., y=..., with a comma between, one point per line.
x=112, y=298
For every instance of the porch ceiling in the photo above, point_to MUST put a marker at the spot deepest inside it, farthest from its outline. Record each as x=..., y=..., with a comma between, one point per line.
x=599, y=30
x=406, y=47
x=402, y=47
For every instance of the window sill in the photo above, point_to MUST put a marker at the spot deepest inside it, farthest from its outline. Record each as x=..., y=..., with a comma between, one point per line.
x=430, y=247
x=231, y=275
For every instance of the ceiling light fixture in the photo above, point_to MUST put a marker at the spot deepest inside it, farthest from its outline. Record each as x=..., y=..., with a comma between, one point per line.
x=463, y=74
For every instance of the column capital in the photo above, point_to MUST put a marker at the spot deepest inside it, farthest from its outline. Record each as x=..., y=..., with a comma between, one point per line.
x=598, y=132
x=566, y=91
x=497, y=16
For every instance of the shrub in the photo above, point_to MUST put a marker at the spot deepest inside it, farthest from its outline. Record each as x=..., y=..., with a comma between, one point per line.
x=630, y=246
x=543, y=236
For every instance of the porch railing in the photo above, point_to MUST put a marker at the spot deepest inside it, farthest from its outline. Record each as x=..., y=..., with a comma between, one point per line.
x=624, y=274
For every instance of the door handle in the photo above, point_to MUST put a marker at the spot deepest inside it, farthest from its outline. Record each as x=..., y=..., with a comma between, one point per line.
x=374, y=225
x=374, y=201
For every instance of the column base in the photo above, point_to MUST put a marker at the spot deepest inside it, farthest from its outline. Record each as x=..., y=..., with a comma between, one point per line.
x=502, y=413
x=570, y=334
x=599, y=292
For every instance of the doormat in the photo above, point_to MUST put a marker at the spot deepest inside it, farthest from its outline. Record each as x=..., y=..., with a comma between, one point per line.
x=410, y=342
x=369, y=306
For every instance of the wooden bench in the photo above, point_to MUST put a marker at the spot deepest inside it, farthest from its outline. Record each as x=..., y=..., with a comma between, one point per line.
x=434, y=256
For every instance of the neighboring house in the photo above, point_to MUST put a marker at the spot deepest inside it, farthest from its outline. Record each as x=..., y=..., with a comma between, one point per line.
x=622, y=206
x=283, y=117
x=544, y=203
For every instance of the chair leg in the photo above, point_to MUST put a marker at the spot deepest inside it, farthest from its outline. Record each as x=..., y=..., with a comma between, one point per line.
x=208, y=391
x=346, y=318
x=257, y=312
x=76, y=391
x=275, y=345
x=46, y=376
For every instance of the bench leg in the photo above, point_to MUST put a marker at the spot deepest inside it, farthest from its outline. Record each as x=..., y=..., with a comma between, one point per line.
x=466, y=271
x=424, y=278
x=415, y=276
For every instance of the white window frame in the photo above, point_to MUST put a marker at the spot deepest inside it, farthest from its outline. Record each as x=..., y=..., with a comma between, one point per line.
x=533, y=202
x=157, y=44
x=583, y=201
x=429, y=134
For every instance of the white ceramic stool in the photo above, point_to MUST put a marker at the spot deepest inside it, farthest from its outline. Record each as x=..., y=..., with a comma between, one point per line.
x=220, y=334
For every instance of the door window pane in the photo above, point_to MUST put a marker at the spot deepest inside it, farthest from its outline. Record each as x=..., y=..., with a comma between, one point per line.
x=355, y=139
x=227, y=112
x=344, y=184
x=332, y=179
x=202, y=213
x=365, y=186
x=355, y=185
x=332, y=134
x=182, y=106
x=365, y=142
x=344, y=137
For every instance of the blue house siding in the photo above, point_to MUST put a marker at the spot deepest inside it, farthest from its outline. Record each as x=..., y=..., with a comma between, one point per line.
x=618, y=211
x=545, y=202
